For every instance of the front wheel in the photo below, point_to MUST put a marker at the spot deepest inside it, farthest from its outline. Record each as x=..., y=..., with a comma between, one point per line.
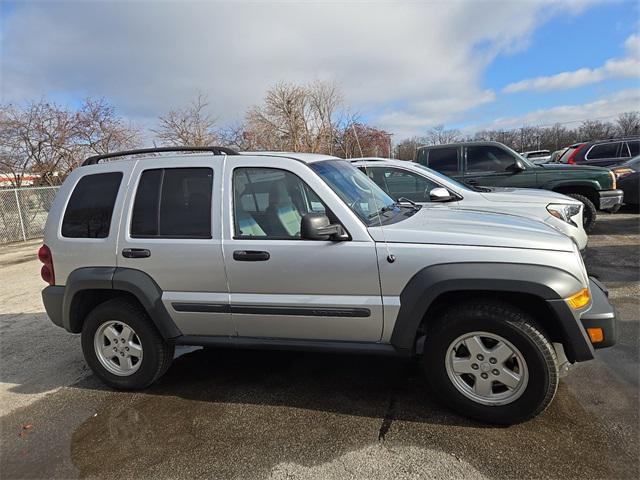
x=491, y=362
x=589, y=212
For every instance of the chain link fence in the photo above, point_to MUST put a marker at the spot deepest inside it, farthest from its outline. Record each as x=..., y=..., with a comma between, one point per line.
x=23, y=212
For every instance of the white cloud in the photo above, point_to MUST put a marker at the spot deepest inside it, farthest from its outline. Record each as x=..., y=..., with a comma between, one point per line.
x=628, y=66
x=606, y=107
x=407, y=65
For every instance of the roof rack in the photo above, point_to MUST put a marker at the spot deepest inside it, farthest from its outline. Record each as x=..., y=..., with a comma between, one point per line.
x=125, y=153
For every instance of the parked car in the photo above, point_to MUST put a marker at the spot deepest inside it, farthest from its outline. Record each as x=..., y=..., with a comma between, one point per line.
x=537, y=156
x=601, y=153
x=628, y=174
x=303, y=251
x=494, y=164
x=417, y=183
x=556, y=154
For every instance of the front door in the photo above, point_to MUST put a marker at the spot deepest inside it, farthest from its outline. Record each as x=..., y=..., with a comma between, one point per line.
x=491, y=165
x=281, y=285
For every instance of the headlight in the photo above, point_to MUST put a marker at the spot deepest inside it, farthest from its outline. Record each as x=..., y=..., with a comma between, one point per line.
x=564, y=212
x=621, y=172
x=613, y=179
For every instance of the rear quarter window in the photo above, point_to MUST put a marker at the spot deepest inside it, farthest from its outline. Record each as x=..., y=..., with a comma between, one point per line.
x=90, y=208
x=603, y=150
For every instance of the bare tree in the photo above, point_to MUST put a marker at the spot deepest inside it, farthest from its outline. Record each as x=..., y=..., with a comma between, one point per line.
x=40, y=139
x=596, y=129
x=406, y=149
x=439, y=135
x=188, y=126
x=628, y=124
x=298, y=118
x=100, y=130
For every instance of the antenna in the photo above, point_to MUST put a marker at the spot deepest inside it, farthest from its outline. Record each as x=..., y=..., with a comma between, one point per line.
x=390, y=257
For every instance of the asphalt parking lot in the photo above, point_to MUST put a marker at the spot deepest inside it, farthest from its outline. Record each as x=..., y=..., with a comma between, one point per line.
x=226, y=414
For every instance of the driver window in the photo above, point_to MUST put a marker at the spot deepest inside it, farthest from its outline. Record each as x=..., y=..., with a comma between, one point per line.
x=270, y=203
x=488, y=158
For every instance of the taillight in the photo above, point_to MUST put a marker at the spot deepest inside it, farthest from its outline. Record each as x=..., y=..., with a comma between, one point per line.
x=571, y=160
x=46, y=272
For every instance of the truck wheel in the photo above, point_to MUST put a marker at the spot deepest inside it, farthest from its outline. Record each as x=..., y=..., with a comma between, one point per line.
x=489, y=361
x=123, y=347
x=589, y=211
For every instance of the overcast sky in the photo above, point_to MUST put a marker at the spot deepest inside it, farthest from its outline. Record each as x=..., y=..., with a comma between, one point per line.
x=403, y=66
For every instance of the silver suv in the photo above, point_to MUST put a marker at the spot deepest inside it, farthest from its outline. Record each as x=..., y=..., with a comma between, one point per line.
x=202, y=246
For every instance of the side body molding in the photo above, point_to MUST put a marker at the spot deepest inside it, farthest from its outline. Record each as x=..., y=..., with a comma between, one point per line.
x=425, y=286
x=135, y=282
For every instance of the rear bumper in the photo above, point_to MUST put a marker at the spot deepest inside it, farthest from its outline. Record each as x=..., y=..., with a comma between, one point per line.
x=610, y=199
x=52, y=298
x=601, y=315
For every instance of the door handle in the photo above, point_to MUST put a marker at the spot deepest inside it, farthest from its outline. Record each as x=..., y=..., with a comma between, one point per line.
x=250, y=256
x=136, y=253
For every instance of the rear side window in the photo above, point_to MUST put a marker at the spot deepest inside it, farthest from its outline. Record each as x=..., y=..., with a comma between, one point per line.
x=604, y=150
x=173, y=203
x=444, y=159
x=634, y=147
x=90, y=208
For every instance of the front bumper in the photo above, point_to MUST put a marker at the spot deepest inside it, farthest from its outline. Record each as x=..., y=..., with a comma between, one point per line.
x=573, y=324
x=601, y=314
x=610, y=199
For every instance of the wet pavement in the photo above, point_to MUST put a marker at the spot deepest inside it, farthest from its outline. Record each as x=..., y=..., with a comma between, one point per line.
x=250, y=414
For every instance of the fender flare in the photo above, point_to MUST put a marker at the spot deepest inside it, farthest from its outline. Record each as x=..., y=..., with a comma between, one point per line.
x=129, y=280
x=555, y=184
x=547, y=283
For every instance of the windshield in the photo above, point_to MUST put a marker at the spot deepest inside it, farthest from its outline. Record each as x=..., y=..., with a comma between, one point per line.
x=444, y=178
x=359, y=192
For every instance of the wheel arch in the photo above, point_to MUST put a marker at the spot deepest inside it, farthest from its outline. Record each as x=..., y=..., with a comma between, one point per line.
x=586, y=189
x=88, y=287
x=535, y=289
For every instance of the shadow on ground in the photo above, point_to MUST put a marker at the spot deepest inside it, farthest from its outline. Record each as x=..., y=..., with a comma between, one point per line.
x=241, y=414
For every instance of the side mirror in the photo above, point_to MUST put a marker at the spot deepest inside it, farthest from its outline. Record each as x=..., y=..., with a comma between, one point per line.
x=440, y=194
x=516, y=167
x=316, y=226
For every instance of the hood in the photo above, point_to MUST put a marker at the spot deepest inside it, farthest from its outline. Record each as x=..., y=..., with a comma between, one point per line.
x=526, y=195
x=464, y=227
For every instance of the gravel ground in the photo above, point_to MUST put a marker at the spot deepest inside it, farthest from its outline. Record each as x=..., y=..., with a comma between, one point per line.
x=225, y=414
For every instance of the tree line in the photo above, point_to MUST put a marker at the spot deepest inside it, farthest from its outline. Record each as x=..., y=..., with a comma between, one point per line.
x=527, y=138
x=48, y=140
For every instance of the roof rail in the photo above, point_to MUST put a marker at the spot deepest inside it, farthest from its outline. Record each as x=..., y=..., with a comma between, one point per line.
x=125, y=153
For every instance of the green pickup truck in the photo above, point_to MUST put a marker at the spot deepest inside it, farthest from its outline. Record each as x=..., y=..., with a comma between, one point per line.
x=492, y=164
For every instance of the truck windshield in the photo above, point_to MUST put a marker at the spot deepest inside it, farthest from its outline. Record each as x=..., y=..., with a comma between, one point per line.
x=366, y=199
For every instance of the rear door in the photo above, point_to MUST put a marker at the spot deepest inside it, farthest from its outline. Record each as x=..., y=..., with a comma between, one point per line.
x=445, y=160
x=492, y=165
x=171, y=231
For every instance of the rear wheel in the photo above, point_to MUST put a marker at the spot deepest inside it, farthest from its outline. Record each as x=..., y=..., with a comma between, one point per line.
x=589, y=212
x=491, y=362
x=123, y=347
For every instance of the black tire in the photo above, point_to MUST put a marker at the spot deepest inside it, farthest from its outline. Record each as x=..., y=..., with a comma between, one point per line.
x=589, y=212
x=516, y=327
x=157, y=354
